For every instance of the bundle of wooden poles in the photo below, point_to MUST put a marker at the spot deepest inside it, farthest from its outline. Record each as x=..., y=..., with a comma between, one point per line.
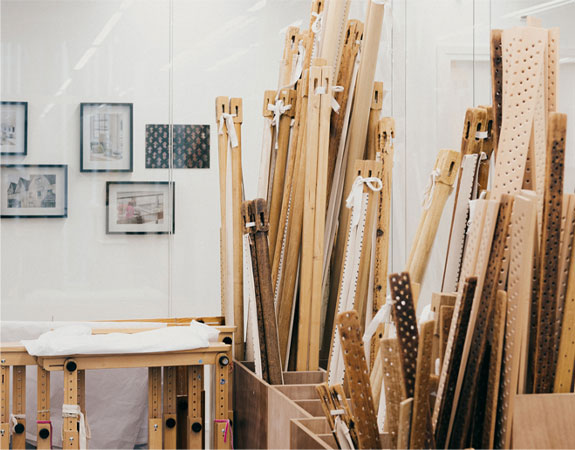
x=308, y=259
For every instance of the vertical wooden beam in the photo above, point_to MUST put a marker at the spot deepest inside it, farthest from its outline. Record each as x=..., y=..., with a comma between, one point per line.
x=70, y=433
x=5, y=407
x=19, y=406
x=223, y=434
x=170, y=408
x=195, y=421
x=44, y=439
x=155, y=428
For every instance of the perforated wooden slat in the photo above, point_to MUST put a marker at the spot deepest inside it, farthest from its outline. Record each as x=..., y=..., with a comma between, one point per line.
x=552, y=68
x=523, y=71
x=358, y=380
x=474, y=121
x=19, y=404
x=549, y=270
x=494, y=369
x=445, y=316
x=43, y=402
x=496, y=83
x=406, y=326
x=421, y=430
x=477, y=334
x=523, y=221
x=394, y=394
x=567, y=236
x=404, y=431
x=451, y=361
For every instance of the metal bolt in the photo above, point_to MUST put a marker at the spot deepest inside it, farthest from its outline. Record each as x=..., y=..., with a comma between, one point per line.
x=71, y=439
x=155, y=427
x=2, y=361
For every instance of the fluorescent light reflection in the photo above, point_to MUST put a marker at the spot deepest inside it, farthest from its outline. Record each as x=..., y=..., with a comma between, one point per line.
x=64, y=86
x=537, y=9
x=107, y=28
x=85, y=58
x=257, y=6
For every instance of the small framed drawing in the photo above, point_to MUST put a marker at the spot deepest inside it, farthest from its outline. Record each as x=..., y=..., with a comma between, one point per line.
x=14, y=122
x=34, y=190
x=106, y=137
x=140, y=207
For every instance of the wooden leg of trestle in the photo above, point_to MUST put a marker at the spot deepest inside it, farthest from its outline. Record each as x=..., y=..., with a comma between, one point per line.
x=182, y=402
x=19, y=406
x=222, y=428
x=5, y=406
x=70, y=434
x=155, y=408
x=195, y=423
x=170, y=408
x=44, y=438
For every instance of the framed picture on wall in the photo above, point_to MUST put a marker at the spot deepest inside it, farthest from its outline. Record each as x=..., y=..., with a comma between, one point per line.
x=14, y=123
x=106, y=137
x=34, y=190
x=140, y=207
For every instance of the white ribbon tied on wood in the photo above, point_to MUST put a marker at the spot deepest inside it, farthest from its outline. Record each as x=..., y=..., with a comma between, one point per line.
x=353, y=201
x=317, y=24
x=74, y=411
x=228, y=119
x=278, y=108
x=382, y=316
x=428, y=193
x=14, y=420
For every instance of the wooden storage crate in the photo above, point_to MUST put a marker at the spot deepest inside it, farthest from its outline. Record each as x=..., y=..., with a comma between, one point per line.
x=262, y=412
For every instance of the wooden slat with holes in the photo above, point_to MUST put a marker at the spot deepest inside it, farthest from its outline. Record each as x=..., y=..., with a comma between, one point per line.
x=404, y=428
x=394, y=394
x=496, y=83
x=358, y=380
x=488, y=150
x=43, y=411
x=477, y=335
x=70, y=433
x=170, y=408
x=567, y=242
x=195, y=422
x=5, y=407
x=222, y=427
x=445, y=317
x=421, y=430
x=549, y=270
x=475, y=119
x=19, y=405
x=155, y=428
x=523, y=228
x=371, y=147
x=266, y=292
x=491, y=402
x=406, y=327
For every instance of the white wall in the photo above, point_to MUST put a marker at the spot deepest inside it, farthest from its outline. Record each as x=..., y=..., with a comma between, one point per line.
x=70, y=269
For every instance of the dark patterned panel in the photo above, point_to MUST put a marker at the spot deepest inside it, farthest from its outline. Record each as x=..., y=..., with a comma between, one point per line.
x=191, y=146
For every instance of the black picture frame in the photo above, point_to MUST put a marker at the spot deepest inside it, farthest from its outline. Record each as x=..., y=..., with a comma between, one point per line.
x=63, y=191
x=172, y=203
x=83, y=115
x=25, y=106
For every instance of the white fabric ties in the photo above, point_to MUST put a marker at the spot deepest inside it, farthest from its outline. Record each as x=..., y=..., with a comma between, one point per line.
x=278, y=109
x=14, y=420
x=74, y=411
x=428, y=193
x=382, y=316
x=228, y=119
x=334, y=104
x=354, y=199
x=317, y=24
x=481, y=135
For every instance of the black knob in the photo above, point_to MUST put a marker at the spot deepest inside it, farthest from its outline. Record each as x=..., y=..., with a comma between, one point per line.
x=171, y=422
x=44, y=433
x=201, y=321
x=196, y=427
x=227, y=340
x=19, y=428
x=224, y=360
x=71, y=366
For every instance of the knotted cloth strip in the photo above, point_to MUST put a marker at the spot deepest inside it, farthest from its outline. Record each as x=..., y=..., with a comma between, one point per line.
x=354, y=198
x=228, y=119
x=74, y=411
x=382, y=316
x=428, y=193
x=14, y=420
x=278, y=108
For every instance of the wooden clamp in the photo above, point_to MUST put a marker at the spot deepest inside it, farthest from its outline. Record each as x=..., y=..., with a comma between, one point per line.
x=447, y=167
x=372, y=147
x=488, y=151
x=155, y=426
x=549, y=270
x=44, y=439
x=469, y=373
x=496, y=84
x=406, y=327
x=475, y=122
x=266, y=291
x=451, y=362
x=357, y=378
x=394, y=393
